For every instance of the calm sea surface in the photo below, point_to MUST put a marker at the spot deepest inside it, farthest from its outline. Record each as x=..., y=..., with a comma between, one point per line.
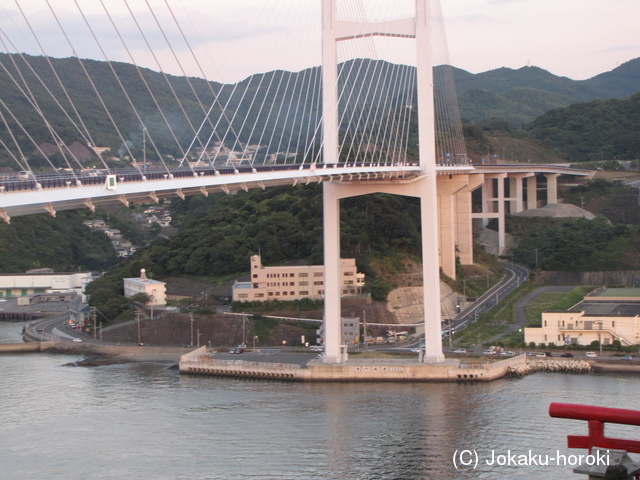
x=146, y=421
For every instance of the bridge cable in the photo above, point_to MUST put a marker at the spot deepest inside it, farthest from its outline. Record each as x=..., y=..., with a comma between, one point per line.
x=119, y=81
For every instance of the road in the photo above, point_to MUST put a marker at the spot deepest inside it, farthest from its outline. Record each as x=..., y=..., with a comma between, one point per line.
x=516, y=275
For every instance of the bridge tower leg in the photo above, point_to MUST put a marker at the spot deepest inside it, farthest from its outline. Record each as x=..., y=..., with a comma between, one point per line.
x=335, y=30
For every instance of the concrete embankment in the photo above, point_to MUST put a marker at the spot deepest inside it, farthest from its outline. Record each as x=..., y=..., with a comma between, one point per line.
x=99, y=354
x=108, y=354
x=200, y=362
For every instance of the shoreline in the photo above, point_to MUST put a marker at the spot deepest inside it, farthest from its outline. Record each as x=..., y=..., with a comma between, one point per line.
x=355, y=370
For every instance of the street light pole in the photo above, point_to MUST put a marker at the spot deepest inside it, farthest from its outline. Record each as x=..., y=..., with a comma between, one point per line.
x=600, y=323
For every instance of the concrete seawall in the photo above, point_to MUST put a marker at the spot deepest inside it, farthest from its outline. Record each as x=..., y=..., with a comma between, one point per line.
x=26, y=347
x=199, y=362
x=615, y=366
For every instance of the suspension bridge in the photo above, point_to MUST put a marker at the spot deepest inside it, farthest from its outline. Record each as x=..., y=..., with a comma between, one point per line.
x=376, y=117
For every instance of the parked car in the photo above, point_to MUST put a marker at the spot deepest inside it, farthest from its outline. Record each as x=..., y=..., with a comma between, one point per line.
x=567, y=355
x=591, y=354
x=627, y=357
x=237, y=350
x=508, y=353
x=77, y=340
x=488, y=352
x=460, y=350
x=541, y=355
x=548, y=354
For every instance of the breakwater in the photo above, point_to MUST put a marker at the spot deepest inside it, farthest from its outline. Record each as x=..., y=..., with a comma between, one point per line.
x=549, y=365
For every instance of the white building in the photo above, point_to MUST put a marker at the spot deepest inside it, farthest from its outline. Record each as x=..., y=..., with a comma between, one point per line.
x=21, y=285
x=154, y=288
x=294, y=282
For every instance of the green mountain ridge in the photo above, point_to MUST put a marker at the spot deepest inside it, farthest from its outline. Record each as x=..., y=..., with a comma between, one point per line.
x=518, y=96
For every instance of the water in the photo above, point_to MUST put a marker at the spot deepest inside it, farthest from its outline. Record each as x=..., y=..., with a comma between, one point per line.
x=146, y=421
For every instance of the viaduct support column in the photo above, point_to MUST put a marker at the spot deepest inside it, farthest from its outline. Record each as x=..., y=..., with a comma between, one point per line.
x=552, y=187
x=449, y=224
x=532, y=192
x=464, y=219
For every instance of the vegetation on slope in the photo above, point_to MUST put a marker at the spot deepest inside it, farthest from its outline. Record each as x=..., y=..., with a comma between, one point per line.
x=62, y=243
x=601, y=129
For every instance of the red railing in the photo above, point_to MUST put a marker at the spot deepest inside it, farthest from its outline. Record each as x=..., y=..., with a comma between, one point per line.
x=597, y=417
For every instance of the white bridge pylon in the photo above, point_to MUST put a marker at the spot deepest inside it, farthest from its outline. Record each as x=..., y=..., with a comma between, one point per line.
x=423, y=187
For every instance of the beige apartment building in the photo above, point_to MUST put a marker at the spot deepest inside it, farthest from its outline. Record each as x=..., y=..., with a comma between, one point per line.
x=294, y=282
x=604, y=315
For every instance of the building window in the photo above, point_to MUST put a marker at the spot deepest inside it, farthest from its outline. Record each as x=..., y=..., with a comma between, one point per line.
x=291, y=275
x=271, y=294
x=303, y=284
x=243, y=295
x=292, y=293
x=303, y=292
x=255, y=285
x=320, y=282
x=348, y=274
x=285, y=293
x=259, y=295
x=318, y=274
x=255, y=275
x=303, y=275
x=292, y=284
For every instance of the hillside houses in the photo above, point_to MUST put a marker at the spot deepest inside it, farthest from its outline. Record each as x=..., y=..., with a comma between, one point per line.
x=123, y=246
x=155, y=214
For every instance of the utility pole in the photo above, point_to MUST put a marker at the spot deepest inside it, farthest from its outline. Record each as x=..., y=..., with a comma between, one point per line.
x=364, y=329
x=93, y=314
x=191, y=319
x=138, y=319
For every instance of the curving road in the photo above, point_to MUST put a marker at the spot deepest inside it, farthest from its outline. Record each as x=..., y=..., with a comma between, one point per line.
x=516, y=275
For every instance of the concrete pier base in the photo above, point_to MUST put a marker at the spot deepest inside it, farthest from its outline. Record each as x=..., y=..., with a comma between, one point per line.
x=359, y=370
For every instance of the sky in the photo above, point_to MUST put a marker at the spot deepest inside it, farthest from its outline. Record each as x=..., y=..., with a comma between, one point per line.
x=232, y=39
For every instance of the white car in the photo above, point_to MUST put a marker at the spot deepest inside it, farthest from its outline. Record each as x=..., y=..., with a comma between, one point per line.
x=488, y=352
x=460, y=350
x=76, y=339
x=591, y=355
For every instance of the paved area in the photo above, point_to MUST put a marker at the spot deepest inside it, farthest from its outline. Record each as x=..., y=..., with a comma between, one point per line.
x=521, y=316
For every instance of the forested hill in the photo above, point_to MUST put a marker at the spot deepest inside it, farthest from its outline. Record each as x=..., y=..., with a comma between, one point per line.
x=218, y=234
x=517, y=96
x=62, y=243
x=596, y=130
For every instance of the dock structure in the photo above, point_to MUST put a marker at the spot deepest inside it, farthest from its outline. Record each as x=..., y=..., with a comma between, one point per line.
x=201, y=362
